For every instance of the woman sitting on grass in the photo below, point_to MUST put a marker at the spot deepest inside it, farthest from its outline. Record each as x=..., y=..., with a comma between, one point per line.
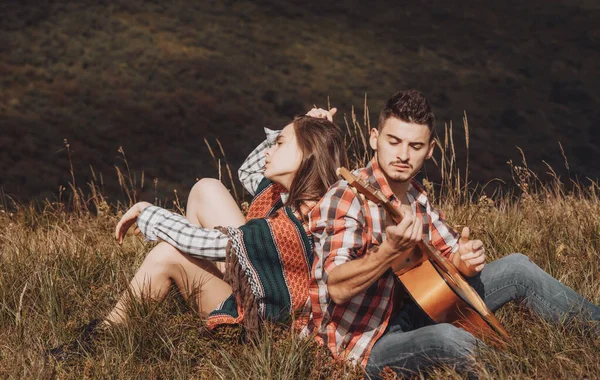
x=268, y=254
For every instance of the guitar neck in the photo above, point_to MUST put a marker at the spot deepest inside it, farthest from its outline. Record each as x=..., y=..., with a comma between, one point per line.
x=392, y=211
x=452, y=275
x=373, y=194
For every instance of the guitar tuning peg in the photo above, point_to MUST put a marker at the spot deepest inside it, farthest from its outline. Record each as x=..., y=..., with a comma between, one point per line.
x=357, y=194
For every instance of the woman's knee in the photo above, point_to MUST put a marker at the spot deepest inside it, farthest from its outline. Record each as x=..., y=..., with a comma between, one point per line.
x=205, y=188
x=163, y=257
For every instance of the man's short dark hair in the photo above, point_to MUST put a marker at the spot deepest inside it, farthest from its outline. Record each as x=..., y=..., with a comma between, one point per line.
x=409, y=106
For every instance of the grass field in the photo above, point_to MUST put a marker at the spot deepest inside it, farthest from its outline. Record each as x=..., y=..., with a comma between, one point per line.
x=61, y=267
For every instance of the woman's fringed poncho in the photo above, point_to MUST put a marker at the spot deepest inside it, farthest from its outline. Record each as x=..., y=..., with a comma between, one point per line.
x=268, y=264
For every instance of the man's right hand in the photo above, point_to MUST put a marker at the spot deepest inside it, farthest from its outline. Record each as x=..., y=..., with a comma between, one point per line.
x=347, y=280
x=403, y=236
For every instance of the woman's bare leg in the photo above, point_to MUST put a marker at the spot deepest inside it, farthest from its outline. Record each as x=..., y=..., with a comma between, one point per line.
x=211, y=205
x=164, y=265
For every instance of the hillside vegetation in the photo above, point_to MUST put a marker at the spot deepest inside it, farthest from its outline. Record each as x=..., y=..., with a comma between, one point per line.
x=157, y=78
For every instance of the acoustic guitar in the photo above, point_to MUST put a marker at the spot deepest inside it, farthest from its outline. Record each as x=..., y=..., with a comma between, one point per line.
x=433, y=282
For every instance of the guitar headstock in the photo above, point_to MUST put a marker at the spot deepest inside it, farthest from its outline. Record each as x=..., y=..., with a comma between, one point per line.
x=370, y=192
x=425, y=251
x=361, y=185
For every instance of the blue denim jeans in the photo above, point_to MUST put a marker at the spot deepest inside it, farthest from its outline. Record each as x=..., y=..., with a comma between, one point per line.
x=412, y=342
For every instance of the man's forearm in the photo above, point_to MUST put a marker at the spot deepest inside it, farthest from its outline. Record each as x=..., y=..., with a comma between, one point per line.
x=353, y=277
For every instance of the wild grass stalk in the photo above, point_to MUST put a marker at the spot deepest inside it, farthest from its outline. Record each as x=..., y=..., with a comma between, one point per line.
x=61, y=267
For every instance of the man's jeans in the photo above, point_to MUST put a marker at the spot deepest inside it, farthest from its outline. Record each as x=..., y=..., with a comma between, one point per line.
x=411, y=342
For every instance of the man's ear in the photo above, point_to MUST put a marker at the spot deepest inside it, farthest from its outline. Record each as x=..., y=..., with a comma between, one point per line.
x=431, y=149
x=373, y=138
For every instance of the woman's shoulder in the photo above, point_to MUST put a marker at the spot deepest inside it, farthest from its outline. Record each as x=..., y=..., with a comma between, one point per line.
x=267, y=199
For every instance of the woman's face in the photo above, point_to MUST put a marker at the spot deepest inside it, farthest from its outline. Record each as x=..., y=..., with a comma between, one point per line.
x=283, y=158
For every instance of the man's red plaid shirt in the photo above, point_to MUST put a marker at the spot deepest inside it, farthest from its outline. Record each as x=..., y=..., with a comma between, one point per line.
x=345, y=227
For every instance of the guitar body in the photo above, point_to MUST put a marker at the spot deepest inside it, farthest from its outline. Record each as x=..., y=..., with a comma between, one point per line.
x=433, y=282
x=429, y=289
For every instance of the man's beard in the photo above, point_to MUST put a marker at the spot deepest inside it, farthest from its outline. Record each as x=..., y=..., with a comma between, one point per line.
x=400, y=177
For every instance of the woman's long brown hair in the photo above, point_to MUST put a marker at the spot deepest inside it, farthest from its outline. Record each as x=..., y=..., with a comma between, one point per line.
x=323, y=151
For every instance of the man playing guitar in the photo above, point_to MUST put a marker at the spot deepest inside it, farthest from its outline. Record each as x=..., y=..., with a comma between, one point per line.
x=361, y=311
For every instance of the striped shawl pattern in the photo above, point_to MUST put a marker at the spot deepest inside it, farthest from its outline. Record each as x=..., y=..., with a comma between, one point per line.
x=268, y=264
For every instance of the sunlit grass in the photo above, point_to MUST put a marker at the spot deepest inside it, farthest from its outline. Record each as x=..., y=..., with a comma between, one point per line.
x=61, y=268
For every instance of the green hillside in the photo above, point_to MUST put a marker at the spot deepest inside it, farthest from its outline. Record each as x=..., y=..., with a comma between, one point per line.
x=158, y=77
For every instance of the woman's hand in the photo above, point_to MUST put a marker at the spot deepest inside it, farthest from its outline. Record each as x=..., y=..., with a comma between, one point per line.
x=128, y=219
x=322, y=113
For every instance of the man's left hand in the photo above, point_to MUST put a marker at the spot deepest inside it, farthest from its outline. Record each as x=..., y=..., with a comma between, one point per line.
x=470, y=257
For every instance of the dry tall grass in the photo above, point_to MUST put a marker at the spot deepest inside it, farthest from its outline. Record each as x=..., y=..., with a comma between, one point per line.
x=62, y=268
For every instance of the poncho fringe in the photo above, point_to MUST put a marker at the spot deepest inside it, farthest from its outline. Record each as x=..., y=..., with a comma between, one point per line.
x=268, y=264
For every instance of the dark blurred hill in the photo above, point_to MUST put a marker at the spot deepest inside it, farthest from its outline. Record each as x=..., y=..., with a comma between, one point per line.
x=158, y=77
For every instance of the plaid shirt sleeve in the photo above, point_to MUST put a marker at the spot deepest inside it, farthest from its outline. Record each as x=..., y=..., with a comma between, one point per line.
x=441, y=235
x=251, y=171
x=337, y=227
x=159, y=224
